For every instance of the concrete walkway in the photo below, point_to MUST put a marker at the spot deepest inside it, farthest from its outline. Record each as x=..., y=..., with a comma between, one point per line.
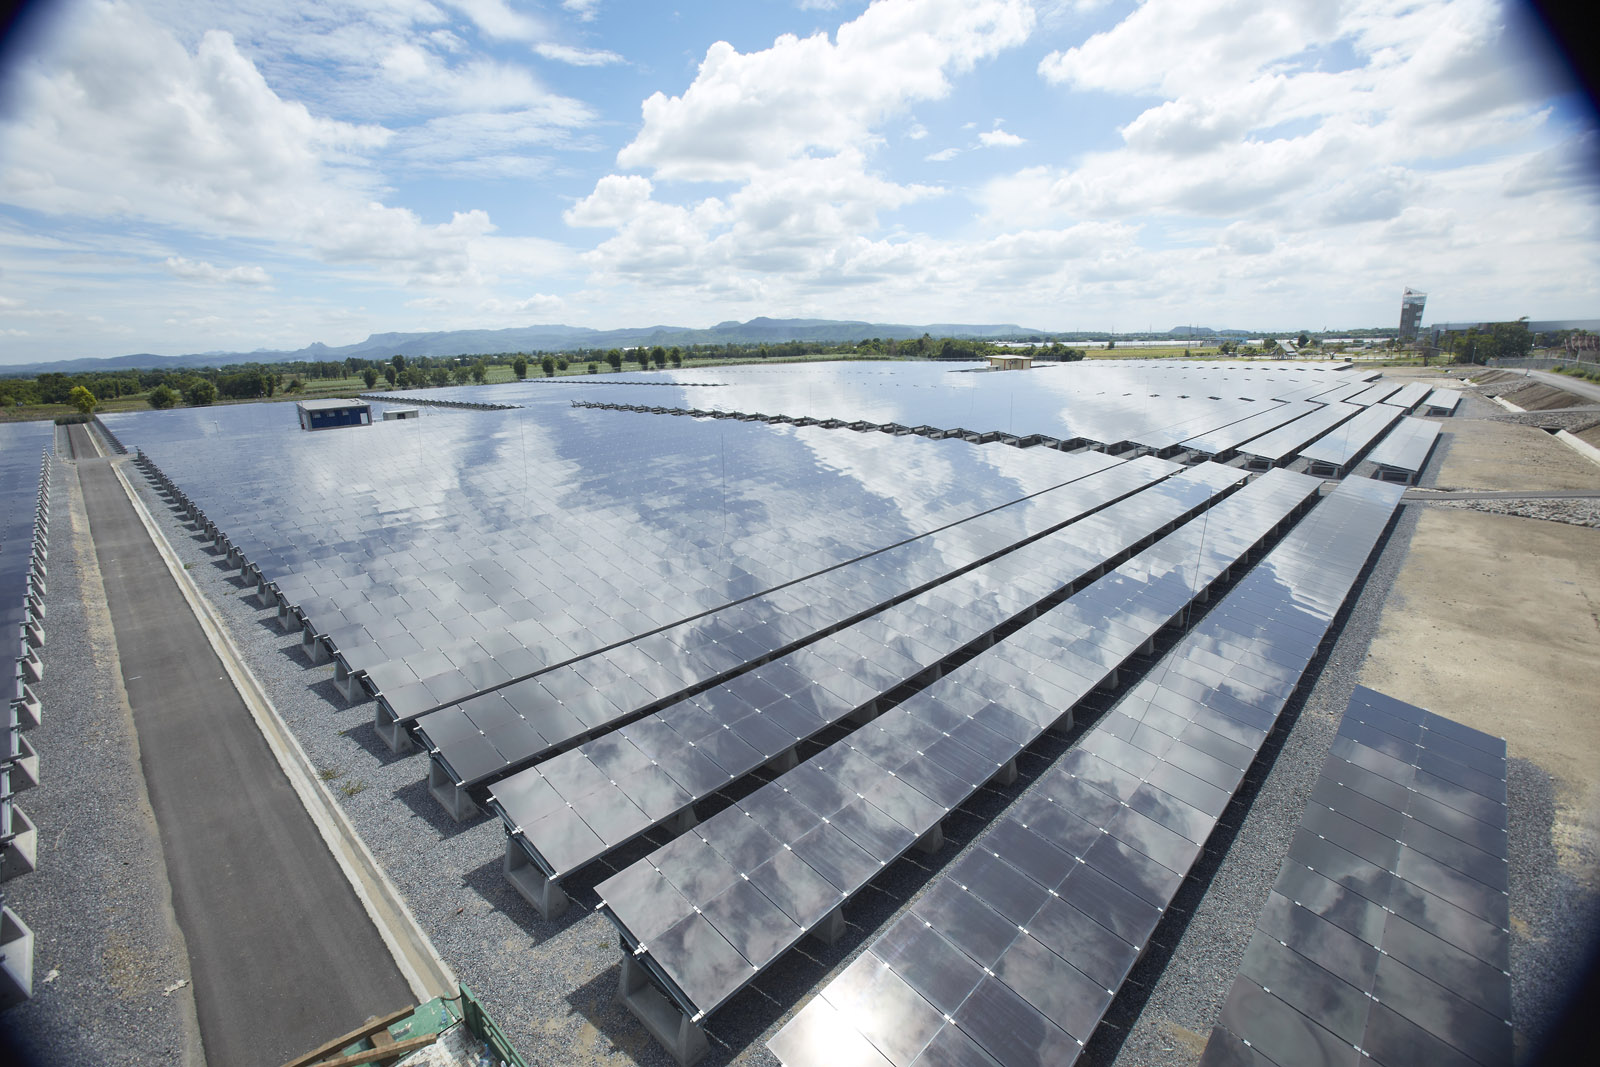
x=282, y=954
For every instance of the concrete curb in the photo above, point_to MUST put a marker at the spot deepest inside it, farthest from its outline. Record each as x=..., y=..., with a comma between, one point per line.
x=419, y=963
x=1579, y=445
x=1508, y=405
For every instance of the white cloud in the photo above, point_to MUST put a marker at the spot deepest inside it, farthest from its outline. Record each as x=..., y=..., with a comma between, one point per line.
x=944, y=155
x=917, y=132
x=577, y=57
x=539, y=304
x=998, y=138
x=199, y=270
x=128, y=123
x=584, y=9
x=497, y=19
x=745, y=113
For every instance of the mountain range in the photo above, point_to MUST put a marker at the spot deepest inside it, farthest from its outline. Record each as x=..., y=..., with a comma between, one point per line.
x=554, y=338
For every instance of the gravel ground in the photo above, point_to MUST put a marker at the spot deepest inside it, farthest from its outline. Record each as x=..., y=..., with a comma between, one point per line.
x=1575, y=512
x=550, y=985
x=110, y=972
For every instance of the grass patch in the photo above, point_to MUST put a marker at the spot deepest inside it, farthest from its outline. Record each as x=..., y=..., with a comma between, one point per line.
x=353, y=788
x=328, y=774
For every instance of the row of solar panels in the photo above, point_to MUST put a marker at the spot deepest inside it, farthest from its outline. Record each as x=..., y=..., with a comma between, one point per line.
x=1386, y=937
x=571, y=810
x=386, y=615
x=1014, y=954
x=813, y=642
x=24, y=559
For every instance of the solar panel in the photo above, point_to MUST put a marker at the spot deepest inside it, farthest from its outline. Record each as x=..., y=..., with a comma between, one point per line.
x=1335, y=452
x=1070, y=847
x=1442, y=401
x=1404, y=450
x=1408, y=397
x=1281, y=444
x=1388, y=940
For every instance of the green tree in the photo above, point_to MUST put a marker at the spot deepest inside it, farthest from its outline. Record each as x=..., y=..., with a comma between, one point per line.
x=1110, y=345
x=461, y=374
x=519, y=367
x=594, y=368
x=370, y=376
x=391, y=375
x=561, y=363
x=641, y=356
x=658, y=356
x=439, y=376
x=200, y=392
x=163, y=396
x=1304, y=339
x=676, y=355
x=398, y=363
x=82, y=399
x=296, y=386
x=480, y=371
x=614, y=357
x=548, y=365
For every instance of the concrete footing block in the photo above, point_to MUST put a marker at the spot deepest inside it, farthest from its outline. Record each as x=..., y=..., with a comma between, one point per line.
x=315, y=648
x=451, y=796
x=20, y=855
x=29, y=709
x=16, y=959
x=32, y=666
x=394, y=734
x=831, y=928
x=349, y=683
x=547, y=898
x=1006, y=774
x=677, y=1033
x=288, y=621
x=930, y=842
x=24, y=765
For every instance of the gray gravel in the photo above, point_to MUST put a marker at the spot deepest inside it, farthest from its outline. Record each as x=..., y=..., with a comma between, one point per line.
x=106, y=949
x=1573, y=512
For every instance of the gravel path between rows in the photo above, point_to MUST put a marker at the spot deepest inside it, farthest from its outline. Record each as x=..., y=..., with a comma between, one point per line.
x=110, y=972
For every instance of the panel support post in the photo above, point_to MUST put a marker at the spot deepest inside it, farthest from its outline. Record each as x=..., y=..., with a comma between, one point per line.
x=681, y=1037
x=453, y=797
x=530, y=882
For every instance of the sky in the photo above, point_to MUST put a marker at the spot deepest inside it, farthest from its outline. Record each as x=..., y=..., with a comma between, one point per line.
x=236, y=175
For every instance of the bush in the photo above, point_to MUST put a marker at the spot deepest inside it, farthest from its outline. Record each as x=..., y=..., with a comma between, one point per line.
x=548, y=364
x=72, y=420
x=202, y=392
x=163, y=396
x=370, y=376
x=519, y=367
x=296, y=386
x=594, y=368
x=81, y=399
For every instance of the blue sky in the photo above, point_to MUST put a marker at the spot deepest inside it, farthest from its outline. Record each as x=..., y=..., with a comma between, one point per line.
x=241, y=174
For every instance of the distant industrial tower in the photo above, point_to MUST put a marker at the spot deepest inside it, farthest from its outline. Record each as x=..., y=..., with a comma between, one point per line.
x=1411, y=314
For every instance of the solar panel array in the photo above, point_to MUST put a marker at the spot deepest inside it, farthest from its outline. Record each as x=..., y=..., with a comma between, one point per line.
x=24, y=557
x=599, y=620
x=1386, y=937
x=1407, y=397
x=493, y=734
x=573, y=809
x=859, y=804
x=1014, y=955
